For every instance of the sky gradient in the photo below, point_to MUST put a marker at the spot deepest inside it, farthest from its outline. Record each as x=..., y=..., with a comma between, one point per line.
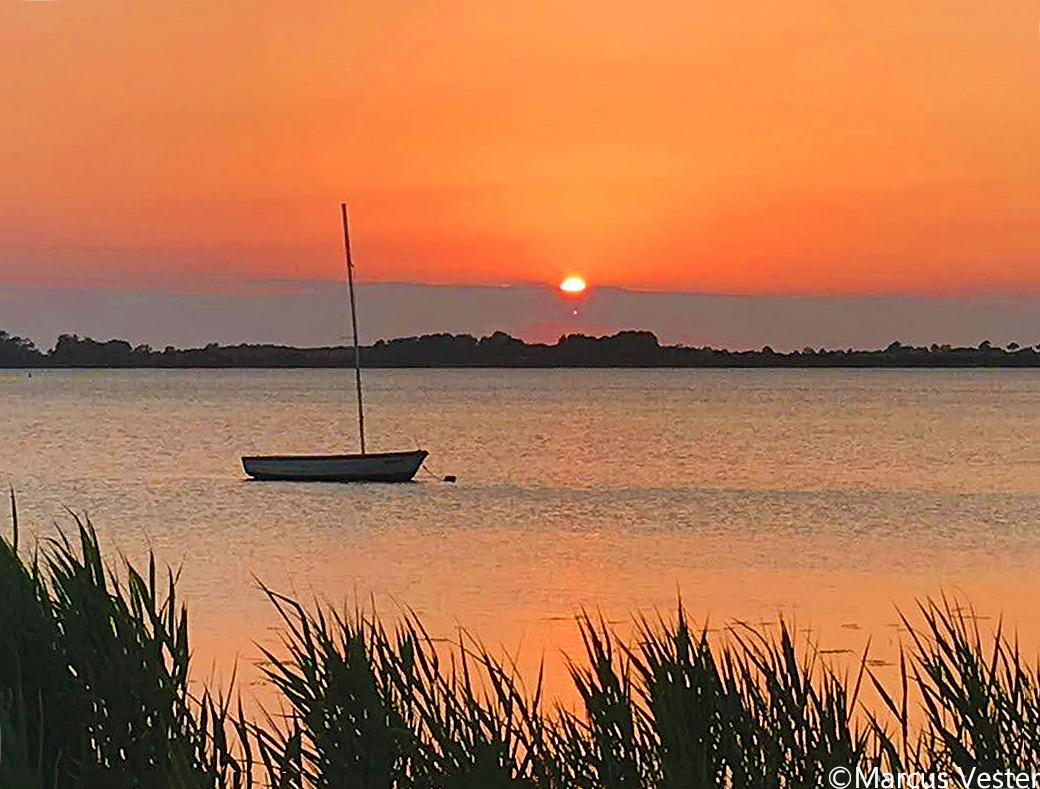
x=753, y=146
x=313, y=313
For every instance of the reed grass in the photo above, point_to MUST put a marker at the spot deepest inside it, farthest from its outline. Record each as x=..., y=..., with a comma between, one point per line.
x=94, y=693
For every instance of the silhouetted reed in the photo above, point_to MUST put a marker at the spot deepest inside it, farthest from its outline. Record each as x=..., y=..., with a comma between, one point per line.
x=94, y=693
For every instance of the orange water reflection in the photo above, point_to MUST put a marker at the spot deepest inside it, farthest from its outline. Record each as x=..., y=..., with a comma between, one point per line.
x=828, y=497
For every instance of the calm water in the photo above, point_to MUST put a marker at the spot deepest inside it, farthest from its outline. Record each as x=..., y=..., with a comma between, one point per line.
x=828, y=496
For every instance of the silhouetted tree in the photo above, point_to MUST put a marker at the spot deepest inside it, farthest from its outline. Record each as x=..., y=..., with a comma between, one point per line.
x=623, y=349
x=73, y=351
x=18, y=351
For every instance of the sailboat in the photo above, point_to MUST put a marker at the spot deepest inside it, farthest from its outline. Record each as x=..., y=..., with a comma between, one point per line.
x=360, y=467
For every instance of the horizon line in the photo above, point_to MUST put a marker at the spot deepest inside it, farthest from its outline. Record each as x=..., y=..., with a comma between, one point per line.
x=181, y=289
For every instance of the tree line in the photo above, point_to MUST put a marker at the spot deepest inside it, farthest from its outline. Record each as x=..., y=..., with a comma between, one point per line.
x=623, y=349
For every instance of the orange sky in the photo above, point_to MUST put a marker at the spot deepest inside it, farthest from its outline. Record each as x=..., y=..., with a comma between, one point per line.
x=802, y=146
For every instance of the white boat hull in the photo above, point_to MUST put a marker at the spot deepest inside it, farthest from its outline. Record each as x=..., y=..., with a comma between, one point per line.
x=370, y=467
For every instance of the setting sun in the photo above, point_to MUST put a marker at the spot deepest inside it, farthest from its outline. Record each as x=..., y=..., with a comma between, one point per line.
x=573, y=285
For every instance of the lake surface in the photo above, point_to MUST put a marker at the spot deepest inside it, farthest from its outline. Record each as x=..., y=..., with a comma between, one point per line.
x=825, y=496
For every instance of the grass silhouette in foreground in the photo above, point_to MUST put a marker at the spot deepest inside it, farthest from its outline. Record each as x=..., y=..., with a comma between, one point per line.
x=94, y=693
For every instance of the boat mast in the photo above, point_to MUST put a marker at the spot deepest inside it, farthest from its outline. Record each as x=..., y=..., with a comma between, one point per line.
x=353, y=320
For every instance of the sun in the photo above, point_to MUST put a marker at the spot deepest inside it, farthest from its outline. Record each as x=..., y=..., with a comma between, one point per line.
x=573, y=285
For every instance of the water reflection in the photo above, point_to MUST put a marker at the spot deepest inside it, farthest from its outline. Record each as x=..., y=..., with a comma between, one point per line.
x=826, y=497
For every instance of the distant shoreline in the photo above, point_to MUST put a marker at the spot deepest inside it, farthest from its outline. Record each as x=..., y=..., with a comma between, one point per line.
x=626, y=349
